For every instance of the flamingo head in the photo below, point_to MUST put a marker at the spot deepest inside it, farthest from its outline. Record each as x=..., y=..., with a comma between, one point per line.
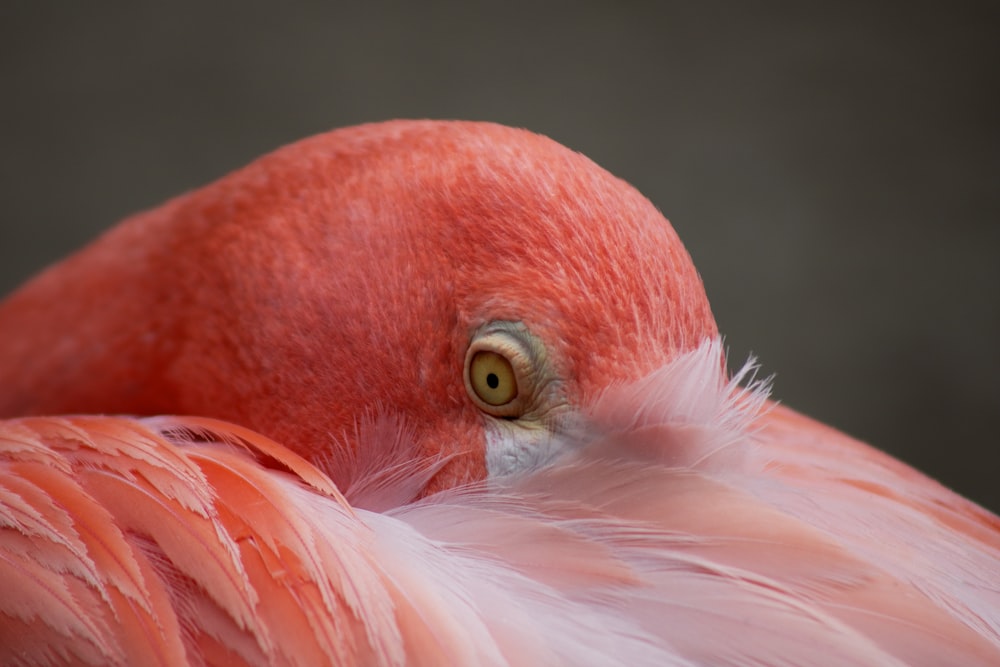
x=469, y=283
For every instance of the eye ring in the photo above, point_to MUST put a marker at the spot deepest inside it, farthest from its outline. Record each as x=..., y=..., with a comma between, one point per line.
x=500, y=369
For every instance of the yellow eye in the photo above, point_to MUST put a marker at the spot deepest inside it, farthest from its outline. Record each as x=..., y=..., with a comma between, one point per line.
x=492, y=378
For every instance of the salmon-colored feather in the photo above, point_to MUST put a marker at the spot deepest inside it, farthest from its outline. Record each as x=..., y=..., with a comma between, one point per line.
x=364, y=504
x=611, y=554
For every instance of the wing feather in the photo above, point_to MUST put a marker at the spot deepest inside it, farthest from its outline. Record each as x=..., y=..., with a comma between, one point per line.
x=687, y=522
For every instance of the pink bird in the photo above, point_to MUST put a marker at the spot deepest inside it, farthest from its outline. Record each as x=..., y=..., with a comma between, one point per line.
x=460, y=399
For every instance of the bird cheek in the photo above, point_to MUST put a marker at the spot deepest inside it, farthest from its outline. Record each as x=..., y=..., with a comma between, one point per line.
x=514, y=446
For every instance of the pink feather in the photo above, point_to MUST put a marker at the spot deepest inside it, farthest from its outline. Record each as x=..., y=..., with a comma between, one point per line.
x=644, y=542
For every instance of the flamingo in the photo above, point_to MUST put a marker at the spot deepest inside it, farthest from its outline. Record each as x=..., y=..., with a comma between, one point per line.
x=428, y=393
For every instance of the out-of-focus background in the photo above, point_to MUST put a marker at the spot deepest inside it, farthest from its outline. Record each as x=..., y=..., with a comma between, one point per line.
x=835, y=172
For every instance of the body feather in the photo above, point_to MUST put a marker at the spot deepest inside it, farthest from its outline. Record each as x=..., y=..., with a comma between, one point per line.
x=170, y=541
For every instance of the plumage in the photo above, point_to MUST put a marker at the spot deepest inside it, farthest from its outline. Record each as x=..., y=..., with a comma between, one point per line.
x=347, y=495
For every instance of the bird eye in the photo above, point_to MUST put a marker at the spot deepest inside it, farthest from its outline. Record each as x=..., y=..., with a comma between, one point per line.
x=502, y=368
x=492, y=378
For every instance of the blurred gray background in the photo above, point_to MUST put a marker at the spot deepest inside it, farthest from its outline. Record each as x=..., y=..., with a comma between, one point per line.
x=833, y=171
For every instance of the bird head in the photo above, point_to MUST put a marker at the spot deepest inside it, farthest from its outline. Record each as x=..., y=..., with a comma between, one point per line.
x=470, y=282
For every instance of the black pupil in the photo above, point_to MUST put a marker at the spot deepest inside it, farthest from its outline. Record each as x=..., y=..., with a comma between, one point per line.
x=492, y=380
